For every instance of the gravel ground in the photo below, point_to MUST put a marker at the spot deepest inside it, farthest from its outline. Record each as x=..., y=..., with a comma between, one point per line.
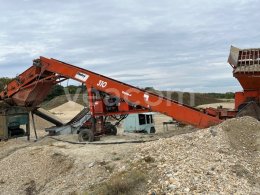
x=50, y=167
x=219, y=160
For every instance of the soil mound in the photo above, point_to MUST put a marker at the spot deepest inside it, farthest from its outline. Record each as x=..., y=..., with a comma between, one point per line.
x=243, y=133
x=218, y=160
x=29, y=170
x=67, y=107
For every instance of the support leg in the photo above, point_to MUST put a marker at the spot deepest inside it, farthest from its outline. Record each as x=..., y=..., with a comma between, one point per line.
x=28, y=129
x=34, y=127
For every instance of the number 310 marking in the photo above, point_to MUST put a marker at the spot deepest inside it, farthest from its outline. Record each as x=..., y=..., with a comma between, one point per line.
x=102, y=84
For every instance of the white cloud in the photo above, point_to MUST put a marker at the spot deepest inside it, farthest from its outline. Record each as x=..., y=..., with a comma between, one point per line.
x=167, y=44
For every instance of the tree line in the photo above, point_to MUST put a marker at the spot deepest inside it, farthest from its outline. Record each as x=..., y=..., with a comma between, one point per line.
x=58, y=90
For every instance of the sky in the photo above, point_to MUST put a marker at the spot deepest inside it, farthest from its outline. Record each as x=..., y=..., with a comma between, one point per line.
x=168, y=44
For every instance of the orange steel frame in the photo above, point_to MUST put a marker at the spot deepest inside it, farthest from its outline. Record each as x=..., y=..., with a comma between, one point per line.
x=53, y=71
x=249, y=77
x=251, y=86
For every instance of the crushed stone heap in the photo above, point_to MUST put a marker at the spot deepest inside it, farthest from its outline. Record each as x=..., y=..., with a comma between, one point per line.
x=218, y=160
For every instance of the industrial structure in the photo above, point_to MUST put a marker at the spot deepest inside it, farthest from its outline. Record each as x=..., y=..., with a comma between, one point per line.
x=135, y=123
x=109, y=97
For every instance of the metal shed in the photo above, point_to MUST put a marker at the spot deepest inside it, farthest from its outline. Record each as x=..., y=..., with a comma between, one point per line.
x=139, y=123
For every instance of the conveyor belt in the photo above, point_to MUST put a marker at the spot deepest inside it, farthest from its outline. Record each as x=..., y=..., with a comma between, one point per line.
x=73, y=126
x=46, y=115
x=79, y=116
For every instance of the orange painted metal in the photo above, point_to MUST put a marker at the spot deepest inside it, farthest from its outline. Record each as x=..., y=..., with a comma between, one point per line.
x=246, y=96
x=249, y=81
x=33, y=85
x=246, y=69
x=99, y=107
x=152, y=102
x=239, y=99
x=34, y=95
x=45, y=67
x=22, y=80
x=221, y=113
x=123, y=106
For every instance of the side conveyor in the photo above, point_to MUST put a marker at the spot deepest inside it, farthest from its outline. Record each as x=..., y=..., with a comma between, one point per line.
x=46, y=115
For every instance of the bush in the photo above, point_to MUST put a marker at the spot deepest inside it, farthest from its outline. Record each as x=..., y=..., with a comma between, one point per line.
x=4, y=81
x=57, y=90
x=122, y=183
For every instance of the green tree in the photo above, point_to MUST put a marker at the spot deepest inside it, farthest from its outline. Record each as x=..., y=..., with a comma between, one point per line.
x=73, y=89
x=57, y=90
x=4, y=81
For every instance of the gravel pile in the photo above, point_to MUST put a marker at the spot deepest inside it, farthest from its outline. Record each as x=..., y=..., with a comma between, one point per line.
x=218, y=160
x=67, y=111
x=67, y=107
x=48, y=167
x=29, y=169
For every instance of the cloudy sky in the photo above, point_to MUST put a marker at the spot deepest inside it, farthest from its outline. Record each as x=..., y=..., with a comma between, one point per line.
x=169, y=44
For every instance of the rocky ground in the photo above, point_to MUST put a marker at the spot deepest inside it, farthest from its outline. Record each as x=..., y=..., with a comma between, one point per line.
x=218, y=160
x=224, y=159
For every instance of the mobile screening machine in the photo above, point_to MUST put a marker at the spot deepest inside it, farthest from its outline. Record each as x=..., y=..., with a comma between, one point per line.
x=109, y=97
